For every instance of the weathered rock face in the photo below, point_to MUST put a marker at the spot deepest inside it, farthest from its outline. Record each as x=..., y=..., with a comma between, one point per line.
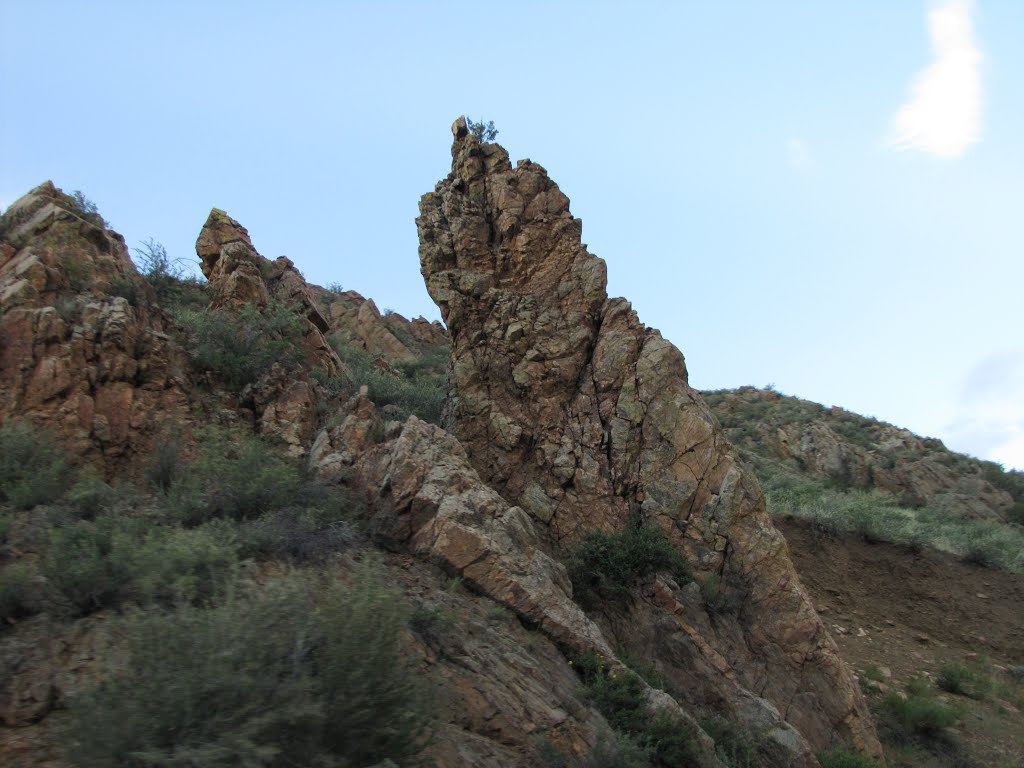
x=574, y=411
x=834, y=444
x=356, y=322
x=83, y=349
x=284, y=402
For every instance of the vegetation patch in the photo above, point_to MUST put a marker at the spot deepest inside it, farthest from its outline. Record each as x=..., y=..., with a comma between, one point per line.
x=240, y=347
x=285, y=673
x=415, y=388
x=665, y=741
x=605, y=566
x=839, y=757
x=875, y=516
x=33, y=470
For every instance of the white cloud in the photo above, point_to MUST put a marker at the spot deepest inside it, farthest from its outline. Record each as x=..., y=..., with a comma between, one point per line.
x=798, y=154
x=990, y=420
x=943, y=114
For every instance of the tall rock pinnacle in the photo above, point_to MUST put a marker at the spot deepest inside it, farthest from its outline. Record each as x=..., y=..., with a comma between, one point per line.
x=571, y=408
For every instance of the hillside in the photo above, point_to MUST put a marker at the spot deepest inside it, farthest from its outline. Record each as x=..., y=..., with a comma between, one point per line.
x=255, y=521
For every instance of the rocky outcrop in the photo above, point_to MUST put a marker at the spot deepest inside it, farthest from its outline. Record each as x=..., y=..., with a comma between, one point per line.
x=573, y=411
x=284, y=402
x=84, y=351
x=356, y=322
x=426, y=499
x=836, y=445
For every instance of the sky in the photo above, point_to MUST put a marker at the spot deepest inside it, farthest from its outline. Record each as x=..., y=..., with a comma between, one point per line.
x=825, y=197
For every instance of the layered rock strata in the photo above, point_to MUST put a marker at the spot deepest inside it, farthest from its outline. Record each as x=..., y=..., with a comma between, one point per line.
x=574, y=411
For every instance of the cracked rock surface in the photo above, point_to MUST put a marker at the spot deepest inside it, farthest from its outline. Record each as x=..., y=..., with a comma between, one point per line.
x=573, y=410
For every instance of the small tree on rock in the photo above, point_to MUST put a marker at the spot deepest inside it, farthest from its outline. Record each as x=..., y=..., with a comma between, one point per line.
x=483, y=131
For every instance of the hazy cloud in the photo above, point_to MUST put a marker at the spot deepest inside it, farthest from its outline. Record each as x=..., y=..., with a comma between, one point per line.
x=943, y=113
x=798, y=154
x=990, y=421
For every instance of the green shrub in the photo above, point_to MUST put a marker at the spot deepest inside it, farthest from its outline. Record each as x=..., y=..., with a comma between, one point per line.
x=954, y=678
x=90, y=495
x=175, y=565
x=32, y=469
x=17, y=592
x=86, y=208
x=733, y=744
x=483, y=131
x=273, y=676
x=125, y=287
x=239, y=348
x=839, y=757
x=414, y=388
x=605, y=566
x=226, y=686
x=79, y=562
x=376, y=705
x=175, y=288
x=918, y=715
x=164, y=466
x=620, y=698
x=300, y=535
x=239, y=479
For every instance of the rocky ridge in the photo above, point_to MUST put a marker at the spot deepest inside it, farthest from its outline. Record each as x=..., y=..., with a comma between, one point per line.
x=566, y=415
x=835, y=445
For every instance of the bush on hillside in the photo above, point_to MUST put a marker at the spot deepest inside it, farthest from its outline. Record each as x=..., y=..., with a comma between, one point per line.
x=839, y=757
x=239, y=348
x=175, y=288
x=236, y=478
x=273, y=676
x=414, y=388
x=32, y=469
x=605, y=566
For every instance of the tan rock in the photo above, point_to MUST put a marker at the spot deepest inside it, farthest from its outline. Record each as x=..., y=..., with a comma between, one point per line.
x=558, y=387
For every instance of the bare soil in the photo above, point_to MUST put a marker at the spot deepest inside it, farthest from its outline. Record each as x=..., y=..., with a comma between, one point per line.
x=909, y=613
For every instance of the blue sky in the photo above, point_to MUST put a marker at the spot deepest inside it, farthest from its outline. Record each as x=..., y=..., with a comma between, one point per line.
x=822, y=196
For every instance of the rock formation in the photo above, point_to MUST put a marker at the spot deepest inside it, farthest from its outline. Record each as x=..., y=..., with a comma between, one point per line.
x=85, y=351
x=356, y=322
x=571, y=409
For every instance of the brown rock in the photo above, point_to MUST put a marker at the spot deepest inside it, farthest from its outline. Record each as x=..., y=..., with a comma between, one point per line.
x=569, y=407
x=86, y=352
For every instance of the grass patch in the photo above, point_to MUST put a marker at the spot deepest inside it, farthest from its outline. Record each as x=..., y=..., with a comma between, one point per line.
x=875, y=517
x=240, y=478
x=734, y=745
x=918, y=716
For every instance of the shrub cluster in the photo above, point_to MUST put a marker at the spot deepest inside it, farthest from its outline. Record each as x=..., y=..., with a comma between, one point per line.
x=32, y=469
x=414, y=388
x=664, y=740
x=605, y=566
x=281, y=674
x=875, y=517
x=838, y=757
x=917, y=716
x=240, y=347
x=175, y=288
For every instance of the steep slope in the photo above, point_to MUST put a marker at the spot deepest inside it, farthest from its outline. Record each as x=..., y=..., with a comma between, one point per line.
x=836, y=445
x=570, y=408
